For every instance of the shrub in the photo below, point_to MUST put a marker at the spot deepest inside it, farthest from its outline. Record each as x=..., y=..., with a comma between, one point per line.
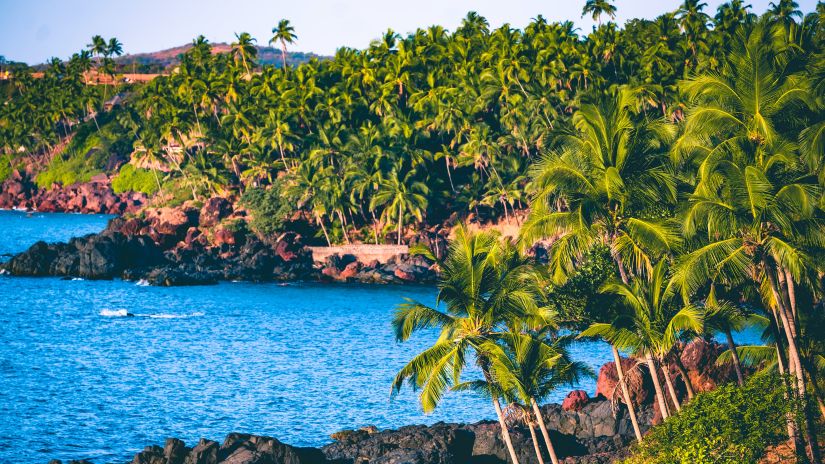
x=132, y=179
x=268, y=207
x=729, y=425
x=5, y=168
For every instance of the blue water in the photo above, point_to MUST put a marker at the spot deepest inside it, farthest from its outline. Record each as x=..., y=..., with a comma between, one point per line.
x=299, y=362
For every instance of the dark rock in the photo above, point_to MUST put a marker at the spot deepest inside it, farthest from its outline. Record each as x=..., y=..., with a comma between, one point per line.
x=438, y=444
x=213, y=211
x=205, y=452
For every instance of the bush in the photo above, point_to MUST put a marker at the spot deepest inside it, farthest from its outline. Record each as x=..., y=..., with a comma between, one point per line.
x=5, y=168
x=730, y=425
x=132, y=179
x=269, y=208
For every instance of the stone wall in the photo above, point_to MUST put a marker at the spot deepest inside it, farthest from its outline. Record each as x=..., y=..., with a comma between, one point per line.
x=363, y=253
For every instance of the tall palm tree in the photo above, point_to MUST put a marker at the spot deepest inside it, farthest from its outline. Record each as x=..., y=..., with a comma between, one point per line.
x=597, y=8
x=485, y=285
x=285, y=34
x=651, y=326
x=244, y=50
x=751, y=212
x=593, y=190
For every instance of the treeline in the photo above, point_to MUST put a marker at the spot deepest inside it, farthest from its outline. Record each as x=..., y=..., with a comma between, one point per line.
x=410, y=129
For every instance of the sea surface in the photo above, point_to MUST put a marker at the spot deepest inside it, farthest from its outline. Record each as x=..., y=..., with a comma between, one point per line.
x=100, y=369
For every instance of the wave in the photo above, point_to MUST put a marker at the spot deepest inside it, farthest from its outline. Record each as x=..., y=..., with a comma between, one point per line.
x=142, y=283
x=125, y=313
x=78, y=278
x=114, y=313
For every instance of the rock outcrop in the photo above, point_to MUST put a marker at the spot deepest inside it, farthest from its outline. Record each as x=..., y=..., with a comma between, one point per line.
x=95, y=197
x=172, y=246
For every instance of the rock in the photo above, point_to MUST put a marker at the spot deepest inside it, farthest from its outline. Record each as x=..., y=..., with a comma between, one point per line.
x=213, y=211
x=699, y=359
x=350, y=271
x=250, y=449
x=640, y=386
x=575, y=400
x=205, y=452
x=226, y=236
x=438, y=444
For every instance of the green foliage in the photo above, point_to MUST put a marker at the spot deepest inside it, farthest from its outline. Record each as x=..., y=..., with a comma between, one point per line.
x=88, y=153
x=729, y=425
x=578, y=301
x=5, y=167
x=132, y=179
x=269, y=208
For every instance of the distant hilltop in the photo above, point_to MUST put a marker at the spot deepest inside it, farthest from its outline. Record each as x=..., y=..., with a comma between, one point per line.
x=159, y=61
x=171, y=56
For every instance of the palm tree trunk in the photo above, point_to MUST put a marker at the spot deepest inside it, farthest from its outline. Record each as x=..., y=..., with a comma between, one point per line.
x=631, y=409
x=683, y=372
x=793, y=433
x=343, y=226
x=791, y=292
x=449, y=175
x=737, y=364
x=544, y=433
x=670, y=389
x=505, y=433
x=660, y=396
x=400, y=222
x=535, y=443
x=321, y=222
x=793, y=356
x=817, y=392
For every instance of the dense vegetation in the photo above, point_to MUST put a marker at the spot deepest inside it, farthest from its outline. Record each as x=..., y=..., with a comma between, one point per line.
x=729, y=425
x=674, y=166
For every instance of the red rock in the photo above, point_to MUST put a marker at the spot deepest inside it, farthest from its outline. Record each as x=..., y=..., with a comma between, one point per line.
x=575, y=400
x=330, y=272
x=350, y=270
x=640, y=385
x=225, y=236
x=403, y=275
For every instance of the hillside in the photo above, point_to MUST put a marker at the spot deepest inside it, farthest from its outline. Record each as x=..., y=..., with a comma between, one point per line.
x=162, y=59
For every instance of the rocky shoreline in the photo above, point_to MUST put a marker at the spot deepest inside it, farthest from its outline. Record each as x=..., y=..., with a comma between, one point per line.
x=584, y=430
x=93, y=197
x=197, y=246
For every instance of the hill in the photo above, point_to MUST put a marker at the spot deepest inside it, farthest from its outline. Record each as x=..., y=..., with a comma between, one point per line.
x=162, y=59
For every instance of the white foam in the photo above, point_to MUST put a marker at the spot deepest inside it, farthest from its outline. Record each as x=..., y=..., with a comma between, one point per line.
x=78, y=278
x=142, y=283
x=114, y=313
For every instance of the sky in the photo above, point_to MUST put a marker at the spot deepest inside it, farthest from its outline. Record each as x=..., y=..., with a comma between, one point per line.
x=36, y=30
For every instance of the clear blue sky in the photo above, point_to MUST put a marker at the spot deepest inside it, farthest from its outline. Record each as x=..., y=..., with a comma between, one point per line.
x=35, y=30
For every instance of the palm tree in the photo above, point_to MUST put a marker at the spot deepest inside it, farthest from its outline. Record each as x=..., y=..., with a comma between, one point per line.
x=531, y=368
x=751, y=211
x=285, y=34
x=244, y=50
x=651, y=326
x=485, y=286
x=597, y=8
x=585, y=191
x=400, y=197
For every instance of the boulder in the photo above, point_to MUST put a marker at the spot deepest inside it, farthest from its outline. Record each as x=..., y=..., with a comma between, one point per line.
x=205, y=452
x=437, y=444
x=575, y=400
x=640, y=385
